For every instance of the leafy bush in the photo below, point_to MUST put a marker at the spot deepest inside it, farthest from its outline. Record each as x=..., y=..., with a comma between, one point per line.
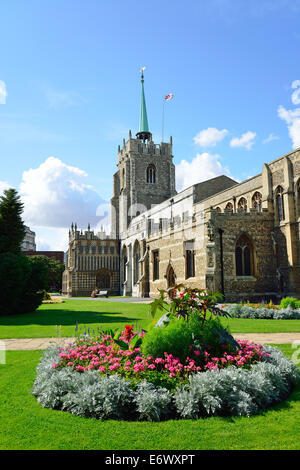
x=22, y=281
x=243, y=311
x=178, y=337
x=291, y=302
x=55, y=270
x=152, y=402
x=235, y=391
x=175, y=339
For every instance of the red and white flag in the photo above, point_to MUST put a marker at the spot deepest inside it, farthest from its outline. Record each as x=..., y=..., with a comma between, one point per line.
x=169, y=97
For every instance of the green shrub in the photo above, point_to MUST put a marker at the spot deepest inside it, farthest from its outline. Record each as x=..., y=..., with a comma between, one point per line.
x=176, y=337
x=22, y=281
x=290, y=301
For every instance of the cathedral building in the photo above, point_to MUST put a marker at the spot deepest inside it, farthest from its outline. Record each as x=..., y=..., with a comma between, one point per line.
x=241, y=239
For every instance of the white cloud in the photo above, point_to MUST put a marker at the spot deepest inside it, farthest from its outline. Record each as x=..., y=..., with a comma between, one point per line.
x=203, y=167
x=49, y=238
x=210, y=136
x=292, y=116
x=270, y=138
x=246, y=140
x=292, y=119
x=296, y=94
x=4, y=185
x=3, y=92
x=56, y=194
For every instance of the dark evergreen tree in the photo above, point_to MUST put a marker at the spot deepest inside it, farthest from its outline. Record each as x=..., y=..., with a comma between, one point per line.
x=21, y=280
x=12, y=228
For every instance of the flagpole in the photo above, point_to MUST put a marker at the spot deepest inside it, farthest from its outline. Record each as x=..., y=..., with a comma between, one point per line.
x=163, y=121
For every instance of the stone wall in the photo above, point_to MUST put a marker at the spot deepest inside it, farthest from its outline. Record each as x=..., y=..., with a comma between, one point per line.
x=258, y=227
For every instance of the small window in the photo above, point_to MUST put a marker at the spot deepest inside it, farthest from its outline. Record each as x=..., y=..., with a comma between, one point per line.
x=280, y=203
x=244, y=256
x=189, y=259
x=155, y=265
x=190, y=263
x=151, y=174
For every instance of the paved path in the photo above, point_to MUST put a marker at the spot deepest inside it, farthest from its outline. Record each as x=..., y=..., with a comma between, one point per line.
x=31, y=344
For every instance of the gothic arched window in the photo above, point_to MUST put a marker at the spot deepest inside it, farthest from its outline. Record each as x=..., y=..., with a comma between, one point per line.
x=242, y=204
x=229, y=206
x=151, y=174
x=279, y=203
x=257, y=201
x=244, y=256
x=218, y=209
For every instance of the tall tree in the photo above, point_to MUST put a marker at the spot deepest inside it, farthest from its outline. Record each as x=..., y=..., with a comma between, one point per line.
x=55, y=270
x=12, y=228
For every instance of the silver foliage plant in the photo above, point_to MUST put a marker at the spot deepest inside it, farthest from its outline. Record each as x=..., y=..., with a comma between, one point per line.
x=244, y=311
x=226, y=392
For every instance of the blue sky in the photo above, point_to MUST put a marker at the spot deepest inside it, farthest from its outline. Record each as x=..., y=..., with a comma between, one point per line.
x=70, y=90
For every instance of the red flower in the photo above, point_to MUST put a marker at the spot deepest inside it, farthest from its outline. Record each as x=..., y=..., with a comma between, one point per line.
x=128, y=331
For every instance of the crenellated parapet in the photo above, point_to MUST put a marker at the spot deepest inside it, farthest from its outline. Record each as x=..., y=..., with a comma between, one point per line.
x=137, y=146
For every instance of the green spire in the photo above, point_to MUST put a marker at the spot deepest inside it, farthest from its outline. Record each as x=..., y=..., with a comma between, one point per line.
x=143, y=132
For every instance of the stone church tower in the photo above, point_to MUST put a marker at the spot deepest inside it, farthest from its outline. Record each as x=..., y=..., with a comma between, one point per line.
x=145, y=176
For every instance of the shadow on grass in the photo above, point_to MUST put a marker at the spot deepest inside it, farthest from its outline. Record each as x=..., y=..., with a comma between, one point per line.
x=66, y=318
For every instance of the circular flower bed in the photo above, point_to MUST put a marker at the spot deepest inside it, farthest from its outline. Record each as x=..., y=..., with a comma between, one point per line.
x=123, y=392
x=186, y=366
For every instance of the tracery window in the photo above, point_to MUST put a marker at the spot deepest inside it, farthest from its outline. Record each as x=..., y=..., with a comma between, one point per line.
x=242, y=204
x=244, y=256
x=151, y=174
x=279, y=203
x=257, y=201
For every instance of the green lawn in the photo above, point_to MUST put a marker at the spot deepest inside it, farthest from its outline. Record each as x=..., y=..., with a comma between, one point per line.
x=25, y=425
x=43, y=323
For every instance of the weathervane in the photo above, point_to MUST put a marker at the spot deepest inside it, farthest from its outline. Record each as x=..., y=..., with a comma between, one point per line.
x=142, y=70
